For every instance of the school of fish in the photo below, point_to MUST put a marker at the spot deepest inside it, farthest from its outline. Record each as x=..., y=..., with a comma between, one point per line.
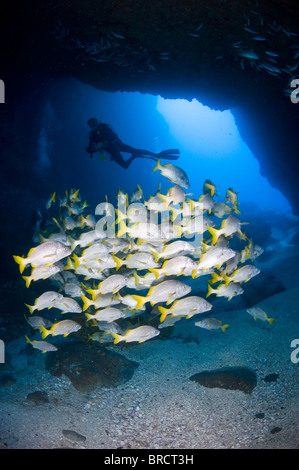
x=125, y=273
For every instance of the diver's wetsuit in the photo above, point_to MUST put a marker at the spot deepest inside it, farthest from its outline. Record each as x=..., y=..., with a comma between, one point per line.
x=104, y=139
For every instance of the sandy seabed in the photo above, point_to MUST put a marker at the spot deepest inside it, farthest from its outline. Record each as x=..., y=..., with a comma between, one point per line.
x=160, y=407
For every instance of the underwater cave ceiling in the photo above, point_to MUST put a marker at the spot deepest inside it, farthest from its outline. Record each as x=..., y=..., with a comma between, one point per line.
x=228, y=54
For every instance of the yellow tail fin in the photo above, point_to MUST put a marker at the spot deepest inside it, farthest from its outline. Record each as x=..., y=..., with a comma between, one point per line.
x=140, y=301
x=27, y=339
x=179, y=230
x=118, y=262
x=122, y=228
x=210, y=290
x=215, y=234
x=86, y=302
x=21, y=262
x=155, y=271
x=224, y=328
x=44, y=332
x=193, y=273
x=120, y=216
x=215, y=278
x=31, y=308
x=165, y=199
x=27, y=279
x=158, y=166
x=155, y=255
x=271, y=320
x=117, y=338
x=76, y=261
x=164, y=311
x=58, y=224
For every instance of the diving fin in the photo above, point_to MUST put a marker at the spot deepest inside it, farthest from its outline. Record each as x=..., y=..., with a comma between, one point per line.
x=170, y=154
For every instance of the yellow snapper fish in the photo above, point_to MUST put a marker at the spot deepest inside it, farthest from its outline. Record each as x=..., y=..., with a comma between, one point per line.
x=74, y=209
x=116, y=244
x=242, y=274
x=109, y=327
x=137, y=195
x=126, y=300
x=67, y=304
x=101, y=262
x=46, y=300
x=146, y=246
x=74, y=195
x=140, y=334
x=231, y=265
x=143, y=230
x=44, y=254
x=174, y=249
x=94, y=251
x=231, y=197
x=186, y=307
x=251, y=252
x=64, y=327
x=214, y=256
x=72, y=289
x=228, y=227
x=204, y=203
x=166, y=291
x=100, y=301
x=55, y=237
x=70, y=224
x=173, y=173
x=220, y=209
x=51, y=200
x=146, y=281
x=175, y=195
x=211, y=324
x=257, y=312
x=86, y=239
x=155, y=204
x=112, y=284
x=198, y=224
x=41, y=272
x=107, y=314
x=169, y=321
x=136, y=260
x=88, y=221
x=209, y=188
x=122, y=198
x=36, y=321
x=136, y=212
x=177, y=266
x=229, y=291
x=43, y=346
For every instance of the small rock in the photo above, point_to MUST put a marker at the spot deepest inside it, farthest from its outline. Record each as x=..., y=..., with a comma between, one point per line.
x=73, y=435
x=259, y=415
x=230, y=378
x=6, y=380
x=275, y=430
x=38, y=397
x=271, y=378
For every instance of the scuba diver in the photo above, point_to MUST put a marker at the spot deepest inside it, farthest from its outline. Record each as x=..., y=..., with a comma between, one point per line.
x=103, y=139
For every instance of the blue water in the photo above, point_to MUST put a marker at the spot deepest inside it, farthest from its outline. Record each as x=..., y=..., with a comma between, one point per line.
x=209, y=142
